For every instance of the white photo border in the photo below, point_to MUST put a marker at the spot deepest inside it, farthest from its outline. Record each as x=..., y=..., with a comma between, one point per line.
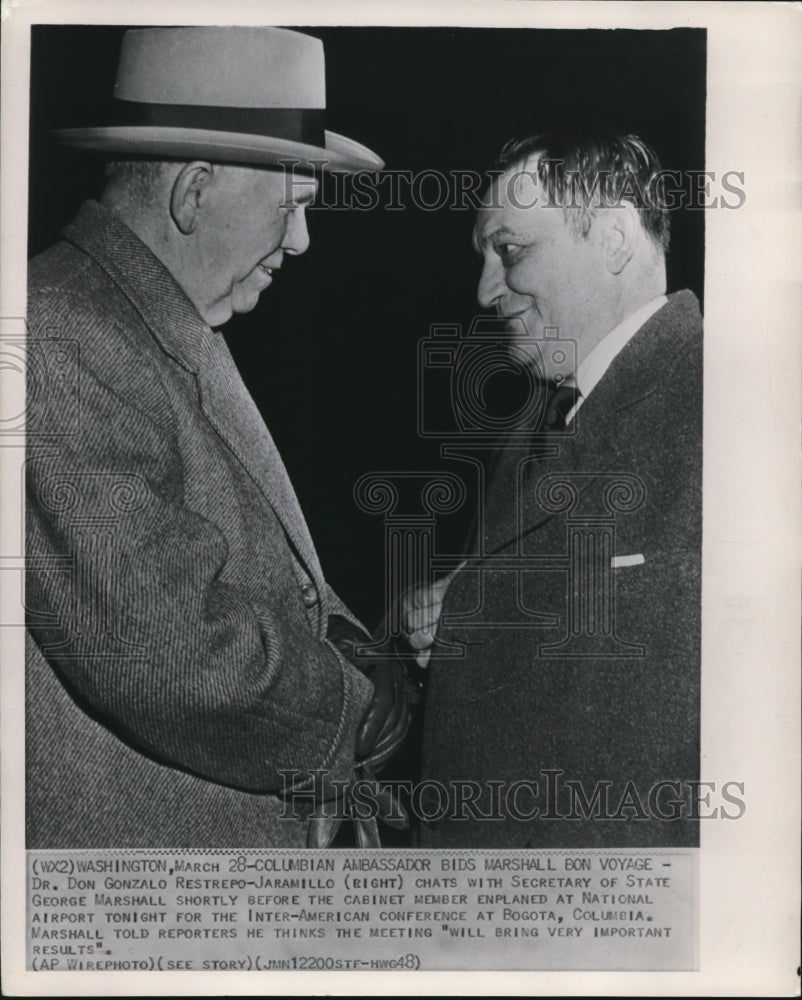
x=749, y=870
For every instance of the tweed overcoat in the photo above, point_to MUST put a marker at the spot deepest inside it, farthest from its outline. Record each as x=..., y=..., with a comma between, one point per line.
x=177, y=655
x=619, y=701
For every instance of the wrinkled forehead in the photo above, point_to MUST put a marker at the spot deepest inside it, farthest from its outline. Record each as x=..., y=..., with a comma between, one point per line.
x=277, y=184
x=300, y=188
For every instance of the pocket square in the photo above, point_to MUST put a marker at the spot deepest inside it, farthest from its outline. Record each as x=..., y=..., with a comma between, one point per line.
x=619, y=561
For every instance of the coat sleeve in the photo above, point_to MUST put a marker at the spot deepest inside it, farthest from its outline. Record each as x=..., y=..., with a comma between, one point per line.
x=130, y=596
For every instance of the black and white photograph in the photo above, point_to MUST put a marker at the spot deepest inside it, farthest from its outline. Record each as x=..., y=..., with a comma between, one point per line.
x=187, y=657
x=377, y=515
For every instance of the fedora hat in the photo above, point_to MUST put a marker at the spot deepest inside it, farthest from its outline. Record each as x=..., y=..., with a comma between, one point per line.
x=231, y=94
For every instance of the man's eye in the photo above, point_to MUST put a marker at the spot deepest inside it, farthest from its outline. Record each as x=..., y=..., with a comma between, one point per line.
x=507, y=250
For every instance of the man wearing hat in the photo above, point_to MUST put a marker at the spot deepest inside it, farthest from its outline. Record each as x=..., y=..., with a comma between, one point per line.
x=185, y=680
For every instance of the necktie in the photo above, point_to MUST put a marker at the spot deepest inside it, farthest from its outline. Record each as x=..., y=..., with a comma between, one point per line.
x=559, y=401
x=558, y=405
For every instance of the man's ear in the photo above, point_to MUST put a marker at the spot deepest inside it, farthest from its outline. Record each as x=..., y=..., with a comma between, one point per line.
x=188, y=193
x=622, y=228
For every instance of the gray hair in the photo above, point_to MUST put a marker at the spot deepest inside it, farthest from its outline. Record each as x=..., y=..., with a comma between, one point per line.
x=136, y=179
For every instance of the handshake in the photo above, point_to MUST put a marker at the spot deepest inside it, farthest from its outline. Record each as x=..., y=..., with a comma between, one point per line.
x=386, y=723
x=388, y=717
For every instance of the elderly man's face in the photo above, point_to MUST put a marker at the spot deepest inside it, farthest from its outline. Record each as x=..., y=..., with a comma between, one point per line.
x=534, y=267
x=251, y=219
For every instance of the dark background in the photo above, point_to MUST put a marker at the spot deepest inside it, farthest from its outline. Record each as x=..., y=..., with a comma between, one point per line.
x=330, y=353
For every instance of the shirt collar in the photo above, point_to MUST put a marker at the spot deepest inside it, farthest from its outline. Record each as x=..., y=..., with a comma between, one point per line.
x=591, y=371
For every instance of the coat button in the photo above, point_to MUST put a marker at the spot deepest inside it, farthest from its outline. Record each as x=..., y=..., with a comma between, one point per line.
x=309, y=594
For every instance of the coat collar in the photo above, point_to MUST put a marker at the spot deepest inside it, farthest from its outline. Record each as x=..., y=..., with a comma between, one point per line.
x=144, y=280
x=178, y=328
x=661, y=343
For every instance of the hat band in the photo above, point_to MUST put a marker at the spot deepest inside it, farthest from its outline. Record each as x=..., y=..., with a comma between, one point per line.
x=303, y=125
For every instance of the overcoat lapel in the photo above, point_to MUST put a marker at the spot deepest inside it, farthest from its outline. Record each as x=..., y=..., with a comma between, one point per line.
x=230, y=409
x=181, y=333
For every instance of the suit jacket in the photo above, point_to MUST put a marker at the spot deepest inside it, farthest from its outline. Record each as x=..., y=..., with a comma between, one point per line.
x=178, y=659
x=602, y=689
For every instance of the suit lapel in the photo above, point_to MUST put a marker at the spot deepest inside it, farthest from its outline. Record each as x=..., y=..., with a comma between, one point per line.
x=588, y=450
x=176, y=325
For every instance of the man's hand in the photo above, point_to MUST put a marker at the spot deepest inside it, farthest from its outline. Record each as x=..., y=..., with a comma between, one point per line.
x=388, y=716
x=421, y=613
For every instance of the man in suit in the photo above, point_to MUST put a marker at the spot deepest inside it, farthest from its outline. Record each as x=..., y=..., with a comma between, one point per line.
x=570, y=717
x=186, y=680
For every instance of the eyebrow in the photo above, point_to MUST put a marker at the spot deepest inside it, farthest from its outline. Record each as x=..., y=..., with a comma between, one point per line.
x=303, y=199
x=300, y=191
x=492, y=236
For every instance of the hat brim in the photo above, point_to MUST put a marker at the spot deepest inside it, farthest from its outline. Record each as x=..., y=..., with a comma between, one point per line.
x=340, y=153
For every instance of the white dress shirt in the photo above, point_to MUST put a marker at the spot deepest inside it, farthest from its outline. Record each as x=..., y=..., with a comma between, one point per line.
x=592, y=369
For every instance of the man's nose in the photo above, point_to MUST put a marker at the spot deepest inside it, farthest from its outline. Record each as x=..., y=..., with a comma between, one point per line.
x=491, y=284
x=296, y=237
